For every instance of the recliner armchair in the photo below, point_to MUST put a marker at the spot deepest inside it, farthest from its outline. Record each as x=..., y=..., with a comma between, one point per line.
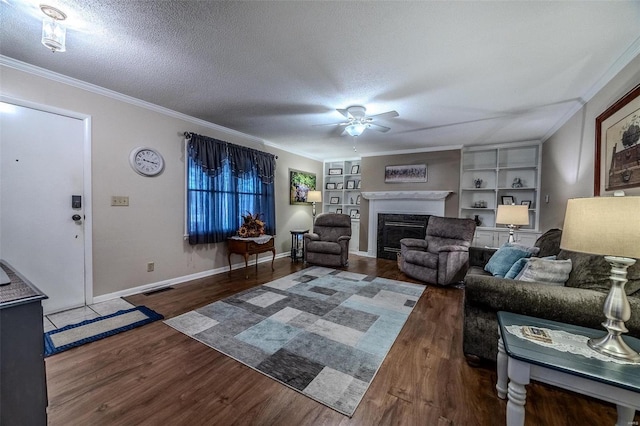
x=442, y=257
x=328, y=244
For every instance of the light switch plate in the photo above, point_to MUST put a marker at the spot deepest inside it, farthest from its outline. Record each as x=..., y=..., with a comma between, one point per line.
x=119, y=200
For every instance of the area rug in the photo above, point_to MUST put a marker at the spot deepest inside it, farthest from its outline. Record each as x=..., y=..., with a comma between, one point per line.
x=74, y=335
x=319, y=331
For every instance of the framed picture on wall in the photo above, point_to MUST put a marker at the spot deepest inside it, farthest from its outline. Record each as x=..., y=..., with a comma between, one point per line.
x=403, y=174
x=300, y=183
x=617, y=145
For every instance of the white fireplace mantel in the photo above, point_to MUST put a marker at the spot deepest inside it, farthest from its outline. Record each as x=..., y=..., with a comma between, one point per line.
x=407, y=202
x=406, y=195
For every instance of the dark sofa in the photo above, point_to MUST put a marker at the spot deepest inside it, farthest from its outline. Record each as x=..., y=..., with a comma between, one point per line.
x=579, y=301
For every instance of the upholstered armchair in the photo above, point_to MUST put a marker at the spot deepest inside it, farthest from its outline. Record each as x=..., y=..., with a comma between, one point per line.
x=328, y=244
x=442, y=257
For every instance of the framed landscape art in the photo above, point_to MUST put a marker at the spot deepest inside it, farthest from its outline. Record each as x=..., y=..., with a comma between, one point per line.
x=617, y=155
x=402, y=174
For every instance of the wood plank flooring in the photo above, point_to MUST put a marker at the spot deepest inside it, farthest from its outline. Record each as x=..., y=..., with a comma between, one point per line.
x=154, y=375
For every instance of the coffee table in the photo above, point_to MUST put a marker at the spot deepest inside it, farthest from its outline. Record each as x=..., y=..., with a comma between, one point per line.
x=521, y=360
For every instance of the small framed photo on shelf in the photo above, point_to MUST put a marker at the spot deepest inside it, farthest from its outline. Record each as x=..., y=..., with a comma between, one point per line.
x=358, y=199
x=339, y=211
x=357, y=215
x=526, y=203
x=508, y=200
x=334, y=200
x=331, y=185
x=351, y=184
x=358, y=184
x=340, y=185
x=353, y=213
x=336, y=171
x=355, y=169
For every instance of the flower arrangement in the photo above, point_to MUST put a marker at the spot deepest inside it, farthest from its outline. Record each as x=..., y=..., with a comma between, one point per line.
x=252, y=226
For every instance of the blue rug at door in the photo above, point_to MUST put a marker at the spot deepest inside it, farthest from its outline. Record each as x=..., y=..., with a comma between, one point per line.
x=74, y=335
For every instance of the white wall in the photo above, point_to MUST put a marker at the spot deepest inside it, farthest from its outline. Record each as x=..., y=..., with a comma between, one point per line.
x=568, y=155
x=151, y=228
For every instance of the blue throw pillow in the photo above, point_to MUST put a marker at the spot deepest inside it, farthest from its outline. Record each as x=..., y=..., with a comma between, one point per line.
x=516, y=268
x=503, y=259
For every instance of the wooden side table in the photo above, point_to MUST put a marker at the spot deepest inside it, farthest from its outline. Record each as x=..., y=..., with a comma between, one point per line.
x=248, y=246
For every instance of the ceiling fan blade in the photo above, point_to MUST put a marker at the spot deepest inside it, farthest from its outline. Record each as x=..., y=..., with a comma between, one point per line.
x=388, y=114
x=330, y=124
x=344, y=112
x=378, y=127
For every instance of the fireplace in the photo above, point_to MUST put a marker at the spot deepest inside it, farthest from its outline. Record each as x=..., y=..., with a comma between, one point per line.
x=394, y=227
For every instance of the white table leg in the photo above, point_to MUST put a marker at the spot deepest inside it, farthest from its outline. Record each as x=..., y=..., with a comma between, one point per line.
x=501, y=385
x=519, y=373
x=625, y=416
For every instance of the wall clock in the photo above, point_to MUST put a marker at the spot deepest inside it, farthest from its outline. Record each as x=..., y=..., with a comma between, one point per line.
x=146, y=161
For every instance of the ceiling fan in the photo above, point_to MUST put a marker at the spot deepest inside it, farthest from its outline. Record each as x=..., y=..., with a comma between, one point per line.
x=357, y=120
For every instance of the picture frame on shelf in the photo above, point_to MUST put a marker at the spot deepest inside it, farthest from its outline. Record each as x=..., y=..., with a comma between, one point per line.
x=330, y=185
x=355, y=169
x=358, y=199
x=335, y=171
x=339, y=211
x=353, y=213
x=357, y=215
x=508, y=200
x=351, y=184
x=340, y=185
x=358, y=184
x=334, y=200
x=526, y=203
x=300, y=183
x=616, y=145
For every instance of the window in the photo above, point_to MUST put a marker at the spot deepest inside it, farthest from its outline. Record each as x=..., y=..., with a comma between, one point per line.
x=218, y=195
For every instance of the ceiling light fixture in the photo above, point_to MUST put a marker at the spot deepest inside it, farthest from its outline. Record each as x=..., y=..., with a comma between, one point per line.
x=53, y=34
x=355, y=129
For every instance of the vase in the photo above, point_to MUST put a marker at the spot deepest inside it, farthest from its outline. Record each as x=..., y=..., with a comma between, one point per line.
x=477, y=220
x=477, y=182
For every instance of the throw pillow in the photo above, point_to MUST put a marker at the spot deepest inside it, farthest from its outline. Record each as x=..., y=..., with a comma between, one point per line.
x=504, y=258
x=516, y=268
x=555, y=272
x=533, y=250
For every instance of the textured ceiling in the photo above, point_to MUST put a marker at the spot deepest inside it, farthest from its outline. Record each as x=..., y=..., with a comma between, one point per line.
x=457, y=72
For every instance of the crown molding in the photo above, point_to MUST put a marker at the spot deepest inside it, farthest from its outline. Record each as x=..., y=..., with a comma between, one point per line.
x=414, y=151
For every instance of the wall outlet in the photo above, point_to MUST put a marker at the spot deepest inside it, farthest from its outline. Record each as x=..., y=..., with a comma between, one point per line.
x=150, y=266
x=119, y=200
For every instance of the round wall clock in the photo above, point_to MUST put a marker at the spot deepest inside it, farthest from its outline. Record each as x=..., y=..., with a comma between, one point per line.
x=146, y=161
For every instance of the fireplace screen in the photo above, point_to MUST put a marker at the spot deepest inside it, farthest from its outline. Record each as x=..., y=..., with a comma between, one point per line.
x=394, y=227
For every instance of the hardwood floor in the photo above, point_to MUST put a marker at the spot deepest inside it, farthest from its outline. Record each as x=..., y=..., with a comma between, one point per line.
x=157, y=376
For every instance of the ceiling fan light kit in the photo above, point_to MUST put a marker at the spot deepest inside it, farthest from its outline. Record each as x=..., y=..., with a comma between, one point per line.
x=355, y=129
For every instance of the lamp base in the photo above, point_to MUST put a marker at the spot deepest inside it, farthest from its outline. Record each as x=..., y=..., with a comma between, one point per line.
x=617, y=310
x=613, y=346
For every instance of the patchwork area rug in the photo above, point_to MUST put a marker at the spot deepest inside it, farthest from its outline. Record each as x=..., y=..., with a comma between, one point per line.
x=73, y=335
x=319, y=331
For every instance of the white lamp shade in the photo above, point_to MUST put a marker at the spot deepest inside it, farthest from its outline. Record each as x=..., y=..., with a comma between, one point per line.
x=314, y=196
x=608, y=226
x=53, y=35
x=512, y=215
x=356, y=129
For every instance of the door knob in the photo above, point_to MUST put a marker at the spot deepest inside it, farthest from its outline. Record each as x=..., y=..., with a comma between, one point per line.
x=76, y=217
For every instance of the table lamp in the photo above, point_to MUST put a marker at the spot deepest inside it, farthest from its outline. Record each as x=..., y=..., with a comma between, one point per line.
x=314, y=197
x=513, y=216
x=608, y=226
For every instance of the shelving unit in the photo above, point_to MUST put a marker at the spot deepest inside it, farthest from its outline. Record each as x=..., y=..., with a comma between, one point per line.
x=342, y=181
x=343, y=188
x=501, y=168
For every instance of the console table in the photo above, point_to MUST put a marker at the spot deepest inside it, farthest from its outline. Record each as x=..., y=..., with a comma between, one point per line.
x=248, y=246
x=23, y=385
x=521, y=360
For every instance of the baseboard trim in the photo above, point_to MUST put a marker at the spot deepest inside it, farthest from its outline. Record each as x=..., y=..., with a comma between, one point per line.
x=178, y=280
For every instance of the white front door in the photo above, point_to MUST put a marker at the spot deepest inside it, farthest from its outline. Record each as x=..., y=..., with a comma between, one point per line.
x=41, y=167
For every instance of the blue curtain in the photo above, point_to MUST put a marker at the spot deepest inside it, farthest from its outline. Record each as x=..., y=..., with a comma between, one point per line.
x=224, y=182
